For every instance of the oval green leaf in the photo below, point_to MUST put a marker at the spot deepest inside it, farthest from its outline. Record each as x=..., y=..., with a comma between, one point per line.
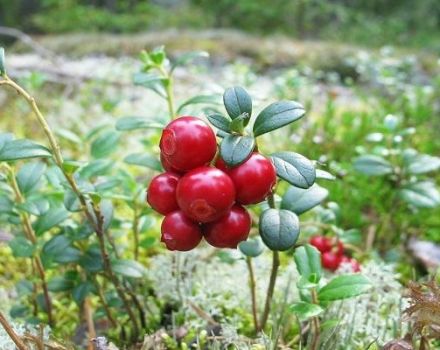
x=422, y=194
x=200, y=99
x=299, y=200
x=252, y=247
x=145, y=160
x=29, y=175
x=2, y=61
x=370, y=164
x=105, y=144
x=345, y=286
x=220, y=122
x=23, y=149
x=308, y=262
x=279, y=229
x=237, y=101
x=135, y=123
x=235, y=149
x=294, y=168
x=304, y=310
x=128, y=268
x=277, y=115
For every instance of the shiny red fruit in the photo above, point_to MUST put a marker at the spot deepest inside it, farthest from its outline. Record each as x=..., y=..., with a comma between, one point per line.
x=205, y=194
x=339, y=248
x=253, y=180
x=179, y=232
x=167, y=166
x=330, y=260
x=354, y=264
x=322, y=243
x=230, y=229
x=187, y=143
x=161, y=193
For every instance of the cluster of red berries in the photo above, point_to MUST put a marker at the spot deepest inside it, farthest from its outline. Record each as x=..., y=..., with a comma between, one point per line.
x=198, y=199
x=332, y=253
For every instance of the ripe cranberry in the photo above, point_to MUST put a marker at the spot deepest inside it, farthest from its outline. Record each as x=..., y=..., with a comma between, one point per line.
x=339, y=248
x=187, y=143
x=253, y=180
x=354, y=264
x=330, y=260
x=167, y=166
x=322, y=243
x=161, y=193
x=230, y=229
x=179, y=232
x=205, y=194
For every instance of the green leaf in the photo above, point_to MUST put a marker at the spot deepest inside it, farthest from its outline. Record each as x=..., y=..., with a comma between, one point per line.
x=300, y=200
x=128, y=268
x=105, y=144
x=371, y=164
x=421, y=194
x=96, y=168
x=135, y=123
x=150, y=81
x=308, y=262
x=56, y=246
x=29, y=175
x=422, y=163
x=325, y=175
x=5, y=138
x=2, y=61
x=220, y=122
x=304, y=310
x=60, y=284
x=239, y=123
x=71, y=201
x=21, y=247
x=277, y=115
x=344, y=286
x=23, y=149
x=237, y=101
x=80, y=292
x=51, y=218
x=235, y=149
x=200, y=99
x=6, y=205
x=91, y=261
x=68, y=135
x=252, y=247
x=294, y=168
x=107, y=212
x=35, y=204
x=144, y=160
x=391, y=122
x=188, y=57
x=279, y=229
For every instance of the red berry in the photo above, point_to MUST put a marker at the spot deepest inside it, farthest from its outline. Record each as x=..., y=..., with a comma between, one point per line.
x=187, y=143
x=230, y=229
x=339, y=249
x=354, y=264
x=161, y=193
x=167, y=166
x=330, y=261
x=205, y=194
x=253, y=180
x=321, y=243
x=179, y=232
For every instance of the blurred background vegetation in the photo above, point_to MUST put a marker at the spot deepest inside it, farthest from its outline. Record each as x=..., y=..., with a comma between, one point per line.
x=374, y=22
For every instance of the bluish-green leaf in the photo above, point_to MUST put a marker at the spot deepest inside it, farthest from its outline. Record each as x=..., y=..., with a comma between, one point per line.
x=135, y=123
x=308, y=262
x=144, y=160
x=200, y=99
x=80, y=292
x=105, y=144
x=23, y=149
x=235, y=149
x=325, y=175
x=279, y=229
x=344, y=286
x=188, y=57
x=421, y=194
x=128, y=268
x=5, y=138
x=96, y=167
x=237, y=101
x=423, y=163
x=370, y=164
x=21, y=247
x=294, y=168
x=51, y=218
x=220, y=122
x=2, y=61
x=305, y=311
x=253, y=247
x=60, y=284
x=35, y=204
x=150, y=81
x=29, y=175
x=300, y=200
x=277, y=115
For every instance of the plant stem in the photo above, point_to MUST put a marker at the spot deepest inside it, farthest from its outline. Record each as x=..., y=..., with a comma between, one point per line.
x=136, y=230
x=91, y=332
x=252, y=286
x=31, y=236
x=104, y=303
x=169, y=90
x=14, y=336
x=316, y=324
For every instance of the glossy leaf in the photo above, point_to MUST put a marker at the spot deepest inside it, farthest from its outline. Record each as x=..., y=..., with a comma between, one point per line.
x=304, y=310
x=371, y=164
x=29, y=175
x=279, y=229
x=294, y=168
x=300, y=200
x=136, y=123
x=344, y=286
x=421, y=194
x=423, y=163
x=277, y=115
x=144, y=160
x=200, y=99
x=23, y=149
x=235, y=149
x=220, y=122
x=35, y=204
x=237, y=101
x=128, y=268
x=253, y=247
x=96, y=167
x=308, y=262
x=51, y=218
x=21, y=247
x=325, y=175
x=105, y=144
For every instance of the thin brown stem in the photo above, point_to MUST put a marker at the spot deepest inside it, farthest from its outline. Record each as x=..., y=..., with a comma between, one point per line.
x=88, y=315
x=252, y=287
x=104, y=304
x=316, y=323
x=31, y=236
x=14, y=336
